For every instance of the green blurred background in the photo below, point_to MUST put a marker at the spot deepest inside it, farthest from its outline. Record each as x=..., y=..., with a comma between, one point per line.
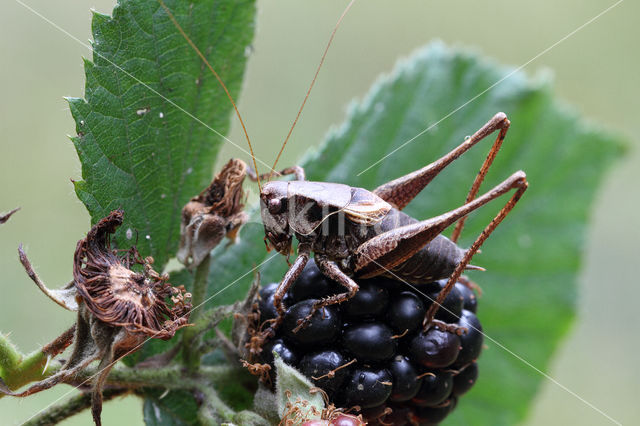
x=596, y=71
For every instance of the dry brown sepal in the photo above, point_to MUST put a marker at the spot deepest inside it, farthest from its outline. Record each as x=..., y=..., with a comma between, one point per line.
x=215, y=213
x=121, y=303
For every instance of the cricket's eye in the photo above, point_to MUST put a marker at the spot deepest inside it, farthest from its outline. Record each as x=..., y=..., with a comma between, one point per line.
x=275, y=206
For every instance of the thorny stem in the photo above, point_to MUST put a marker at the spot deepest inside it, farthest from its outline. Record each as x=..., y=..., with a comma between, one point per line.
x=198, y=295
x=70, y=407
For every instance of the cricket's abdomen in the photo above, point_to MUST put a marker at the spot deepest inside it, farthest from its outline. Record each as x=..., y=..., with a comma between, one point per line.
x=436, y=260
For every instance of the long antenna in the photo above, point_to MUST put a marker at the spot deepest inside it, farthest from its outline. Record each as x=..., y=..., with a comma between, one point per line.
x=204, y=59
x=335, y=29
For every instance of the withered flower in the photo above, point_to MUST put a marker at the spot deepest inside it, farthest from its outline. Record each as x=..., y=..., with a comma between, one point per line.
x=215, y=213
x=118, y=307
x=119, y=296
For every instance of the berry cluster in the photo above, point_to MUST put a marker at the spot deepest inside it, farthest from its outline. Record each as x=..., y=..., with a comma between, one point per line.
x=372, y=350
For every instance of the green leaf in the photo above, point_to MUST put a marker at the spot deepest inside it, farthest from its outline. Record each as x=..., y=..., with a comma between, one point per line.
x=177, y=408
x=532, y=259
x=293, y=393
x=143, y=139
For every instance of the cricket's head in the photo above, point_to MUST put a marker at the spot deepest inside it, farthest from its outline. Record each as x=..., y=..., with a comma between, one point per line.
x=274, y=204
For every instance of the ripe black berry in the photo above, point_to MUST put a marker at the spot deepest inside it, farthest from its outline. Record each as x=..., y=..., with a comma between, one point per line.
x=406, y=312
x=311, y=284
x=322, y=328
x=323, y=369
x=433, y=415
x=470, y=301
x=435, y=348
x=406, y=382
x=436, y=387
x=465, y=379
x=471, y=341
x=370, y=301
x=282, y=349
x=267, y=309
x=367, y=387
x=452, y=305
x=370, y=341
x=372, y=351
x=399, y=416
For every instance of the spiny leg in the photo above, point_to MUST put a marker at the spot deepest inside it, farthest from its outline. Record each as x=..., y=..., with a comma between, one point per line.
x=522, y=186
x=471, y=285
x=304, y=250
x=475, y=187
x=402, y=190
x=389, y=249
x=331, y=271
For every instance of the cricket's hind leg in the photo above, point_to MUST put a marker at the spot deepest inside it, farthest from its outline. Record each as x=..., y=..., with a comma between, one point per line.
x=482, y=173
x=402, y=190
x=384, y=252
x=521, y=186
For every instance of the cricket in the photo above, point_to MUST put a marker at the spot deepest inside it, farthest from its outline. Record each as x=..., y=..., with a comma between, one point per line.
x=357, y=233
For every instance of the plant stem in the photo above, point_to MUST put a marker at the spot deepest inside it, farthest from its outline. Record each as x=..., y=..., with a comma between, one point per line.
x=213, y=410
x=70, y=407
x=9, y=355
x=198, y=295
x=18, y=370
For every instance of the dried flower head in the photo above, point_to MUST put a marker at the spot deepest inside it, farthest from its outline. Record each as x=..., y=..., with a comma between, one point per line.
x=119, y=308
x=120, y=296
x=215, y=213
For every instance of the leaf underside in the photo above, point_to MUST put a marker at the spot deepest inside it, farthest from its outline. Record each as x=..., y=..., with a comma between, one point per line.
x=142, y=134
x=532, y=259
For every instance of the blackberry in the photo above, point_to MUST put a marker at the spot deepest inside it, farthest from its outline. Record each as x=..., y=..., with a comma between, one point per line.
x=322, y=328
x=406, y=381
x=367, y=387
x=436, y=387
x=471, y=341
x=369, y=341
x=435, y=348
x=372, y=351
x=267, y=309
x=465, y=379
x=452, y=305
x=311, y=284
x=469, y=299
x=406, y=312
x=370, y=301
x=436, y=414
x=325, y=369
x=282, y=349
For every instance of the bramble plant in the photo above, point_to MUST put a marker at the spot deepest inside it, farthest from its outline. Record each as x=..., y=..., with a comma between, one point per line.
x=148, y=132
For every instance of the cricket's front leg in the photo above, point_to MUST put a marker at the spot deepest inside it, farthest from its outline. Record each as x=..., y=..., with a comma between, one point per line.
x=331, y=271
x=304, y=250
